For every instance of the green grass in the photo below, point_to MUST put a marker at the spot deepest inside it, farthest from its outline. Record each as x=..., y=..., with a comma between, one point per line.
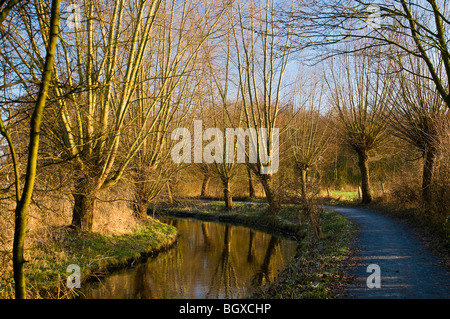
x=346, y=195
x=96, y=255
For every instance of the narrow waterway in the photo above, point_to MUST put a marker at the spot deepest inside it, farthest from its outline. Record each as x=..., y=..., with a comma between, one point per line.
x=210, y=260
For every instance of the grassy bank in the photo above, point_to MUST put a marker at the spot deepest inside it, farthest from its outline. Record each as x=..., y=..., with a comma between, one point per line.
x=96, y=254
x=316, y=271
x=252, y=215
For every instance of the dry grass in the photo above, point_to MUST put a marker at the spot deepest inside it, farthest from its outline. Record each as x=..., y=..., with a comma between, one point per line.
x=404, y=191
x=404, y=198
x=113, y=213
x=190, y=185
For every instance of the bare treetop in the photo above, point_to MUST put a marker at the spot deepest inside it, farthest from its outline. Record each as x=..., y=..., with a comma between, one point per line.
x=398, y=28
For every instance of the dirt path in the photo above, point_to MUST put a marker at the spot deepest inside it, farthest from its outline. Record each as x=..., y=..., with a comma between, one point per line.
x=407, y=268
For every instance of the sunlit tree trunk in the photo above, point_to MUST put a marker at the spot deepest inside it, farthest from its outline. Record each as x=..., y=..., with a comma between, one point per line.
x=251, y=188
x=205, y=184
x=227, y=193
x=84, y=201
x=271, y=194
x=169, y=192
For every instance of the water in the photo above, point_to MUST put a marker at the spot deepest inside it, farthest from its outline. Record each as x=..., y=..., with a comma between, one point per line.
x=210, y=260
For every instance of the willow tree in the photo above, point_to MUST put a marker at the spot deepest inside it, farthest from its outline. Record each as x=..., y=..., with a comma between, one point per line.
x=308, y=135
x=98, y=72
x=94, y=77
x=223, y=111
x=101, y=57
x=152, y=168
x=261, y=59
x=360, y=96
x=23, y=196
x=418, y=113
x=173, y=93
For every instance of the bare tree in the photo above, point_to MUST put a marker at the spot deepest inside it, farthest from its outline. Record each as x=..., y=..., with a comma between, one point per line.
x=308, y=135
x=261, y=59
x=224, y=111
x=398, y=28
x=175, y=89
x=151, y=169
x=96, y=79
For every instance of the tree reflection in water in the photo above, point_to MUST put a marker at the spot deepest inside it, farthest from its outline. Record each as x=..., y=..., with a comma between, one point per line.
x=251, y=246
x=224, y=278
x=210, y=260
x=265, y=274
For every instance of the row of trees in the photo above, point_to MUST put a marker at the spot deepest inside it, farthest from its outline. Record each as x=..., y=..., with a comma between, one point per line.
x=387, y=77
x=363, y=103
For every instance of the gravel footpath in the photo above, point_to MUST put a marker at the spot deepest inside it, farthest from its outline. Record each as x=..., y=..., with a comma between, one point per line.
x=407, y=269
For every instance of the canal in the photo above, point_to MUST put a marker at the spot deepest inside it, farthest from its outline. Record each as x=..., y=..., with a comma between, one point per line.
x=209, y=260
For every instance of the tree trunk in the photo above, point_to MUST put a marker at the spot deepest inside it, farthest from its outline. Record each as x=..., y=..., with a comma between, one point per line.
x=169, y=193
x=140, y=210
x=140, y=196
x=363, y=163
x=227, y=193
x=271, y=196
x=299, y=217
x=205, y=184
x=83, y=209
x=83, y=212
x=251, y=189
x=427, y=176
x=21, y=211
